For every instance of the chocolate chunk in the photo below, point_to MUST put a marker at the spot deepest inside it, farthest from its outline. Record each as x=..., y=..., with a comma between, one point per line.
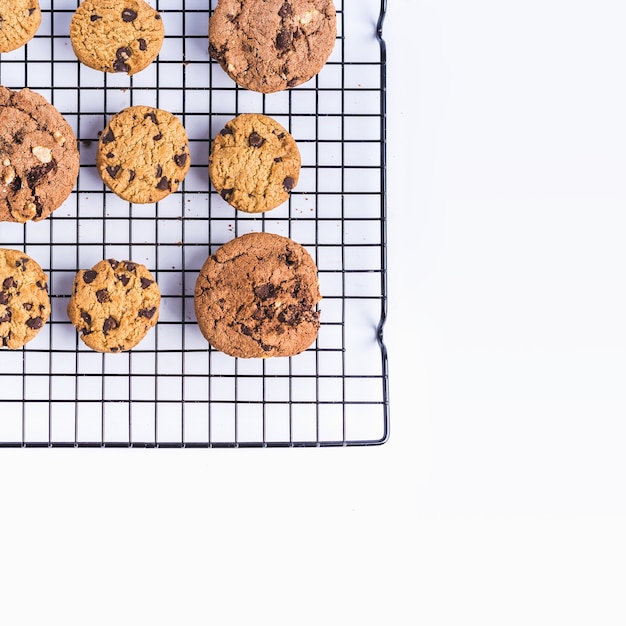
x=86, y=317
x=278, y=160
x=288, y=183
x=131, y=267
x=286, y=10
x=246, y=330
x=283, y=39
x=27, y=306
x=34, y=322
x=146, y=282
x=143, y=46
x=102, y=295
x=225, y=193
x=152, y=116
x=264, y=292
x=124, y=279
x=123, y=54
x=4, y=297
x=42, y=286
x=180, y=159
x=113, y=170
x=158, y=137
x=95, y=18
x=6, y=317
x=255, y=140
x=89, y=276
x=131, y=176
x=159, y=171
x=35, y=174
x=108, y=137
x=16, y=184
x=163, y=184
x=148, y=313
x=110, y=323
x=113, y=263
x=128, y=15
x=120, y=66
x=9, y=283
x=110, y=155
x=227, y=130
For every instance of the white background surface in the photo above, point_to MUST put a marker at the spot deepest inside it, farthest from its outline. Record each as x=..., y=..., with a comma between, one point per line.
x=500, y=497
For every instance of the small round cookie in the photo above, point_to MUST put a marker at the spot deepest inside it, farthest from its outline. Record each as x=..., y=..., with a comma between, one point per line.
x=114, y=305
x=254, y=163
x=256, y=297
x=143, y=154
x=39, y=159
x=24, y=300
x=116, y=35
x=19, y=21
x=272, y=45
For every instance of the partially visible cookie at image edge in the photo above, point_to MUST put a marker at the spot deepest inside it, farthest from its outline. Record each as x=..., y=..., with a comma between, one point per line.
x=39, y=159
x=19, y=21
x=116, y=35
x=291, y=41
x=24, y=299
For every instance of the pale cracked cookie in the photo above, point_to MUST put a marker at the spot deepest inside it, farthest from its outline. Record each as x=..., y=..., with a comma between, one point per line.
x=39, y=159
x=254, y=163
x=24, y=300
x=116, y=35
x=19, y=21
x=114, y=304
x=143, y=154
x=257, y=296
x=272, y=45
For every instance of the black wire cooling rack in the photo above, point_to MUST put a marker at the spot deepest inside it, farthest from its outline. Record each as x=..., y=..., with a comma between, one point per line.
x=173, y=389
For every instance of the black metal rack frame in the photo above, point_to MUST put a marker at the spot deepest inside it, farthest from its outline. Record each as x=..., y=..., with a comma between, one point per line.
x=173, y=390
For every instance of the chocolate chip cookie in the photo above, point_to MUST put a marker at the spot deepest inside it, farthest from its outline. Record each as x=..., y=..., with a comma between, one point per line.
x=39, y=159
x=257, y=296
x=254, y=163
x=24, y=300
x=272, y=45
x=143, y=154
x=114, y=305
x=116, y=35
x=19, y=21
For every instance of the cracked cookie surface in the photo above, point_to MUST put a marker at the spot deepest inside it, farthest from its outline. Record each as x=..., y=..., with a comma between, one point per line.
x=39, y=158
x=143, y=154
x=254, y=163
x=24, y=300
x=116, y=35
x=257, y=296
x=272, y=45
x=19, y=21
x=114, y=304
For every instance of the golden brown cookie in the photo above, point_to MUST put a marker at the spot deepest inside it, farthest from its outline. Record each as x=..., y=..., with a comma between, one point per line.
x=254, y=163
x=143, y=154
x=19, y=21
x=271, y=45
x=114, y=305
x=24, y=300
x=116, y=35
x=39, y=159
x=257, y=296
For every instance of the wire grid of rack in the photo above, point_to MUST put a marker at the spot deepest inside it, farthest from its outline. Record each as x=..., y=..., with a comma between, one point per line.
x=173, y=389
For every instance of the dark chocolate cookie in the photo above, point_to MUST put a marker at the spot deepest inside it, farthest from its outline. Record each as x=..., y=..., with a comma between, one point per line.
x=257, y=296
x=272, y=45
x=39, y=159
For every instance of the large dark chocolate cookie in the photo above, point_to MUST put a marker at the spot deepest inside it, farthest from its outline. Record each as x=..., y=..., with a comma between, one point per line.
x=143, y=154
x=39, y=159
x=114, y=304
x=271, y=45
x=116, y=35
x=257, y=296
x=24, y=300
